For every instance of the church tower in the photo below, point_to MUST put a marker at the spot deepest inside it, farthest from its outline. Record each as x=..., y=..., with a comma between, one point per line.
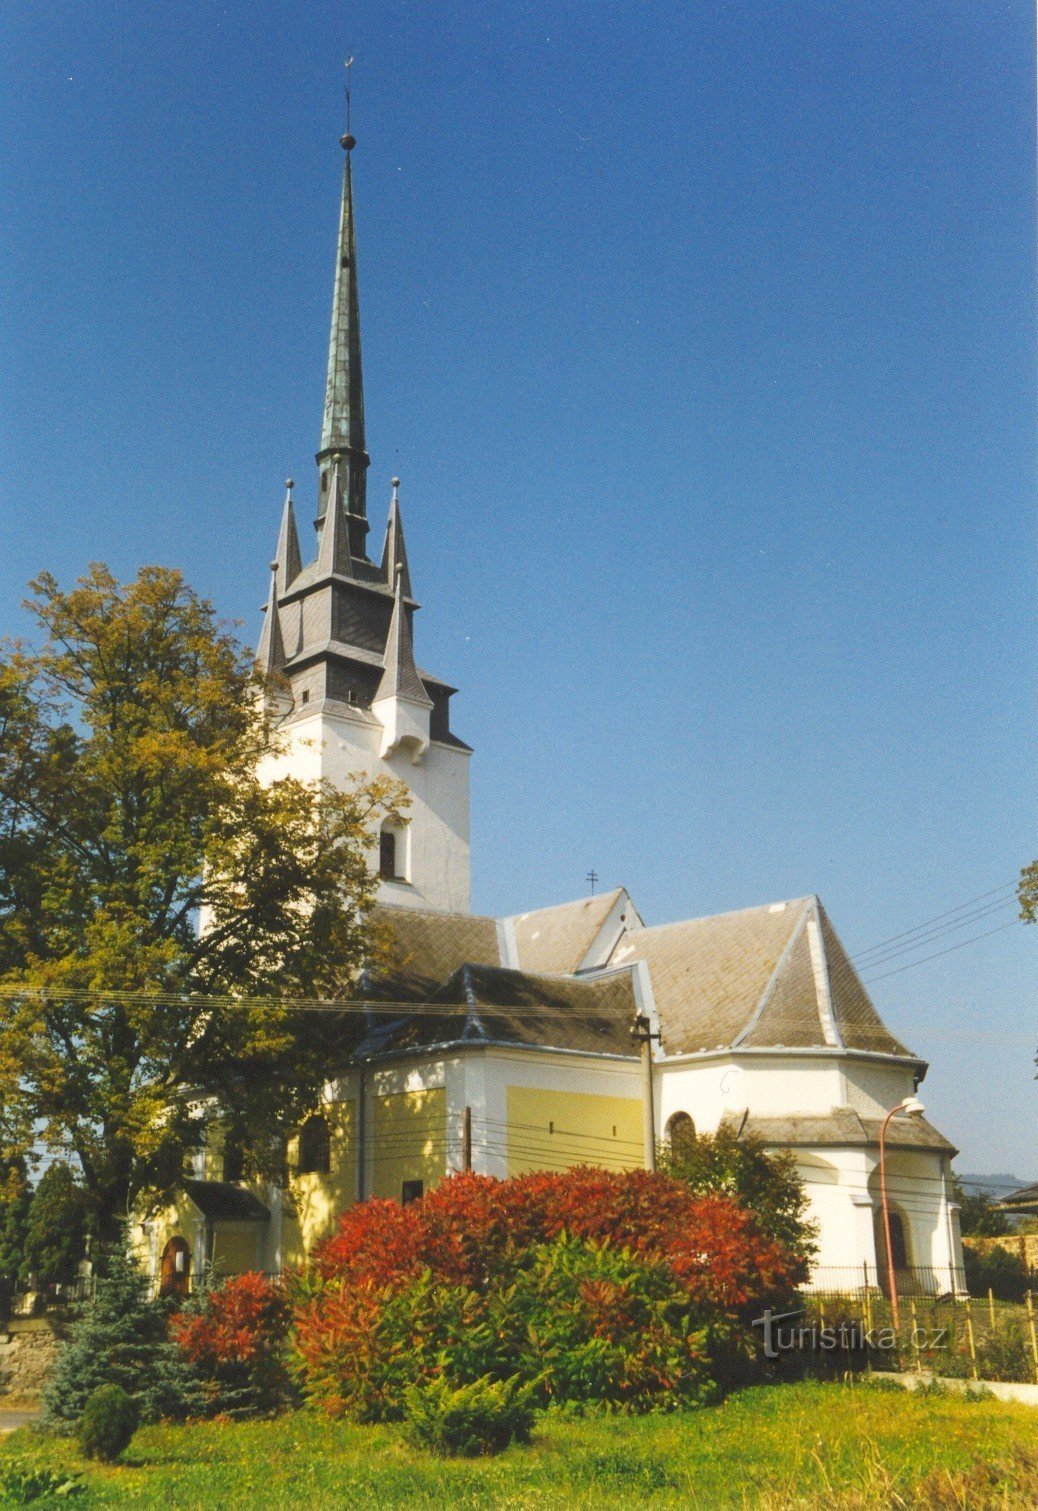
x=338, y=634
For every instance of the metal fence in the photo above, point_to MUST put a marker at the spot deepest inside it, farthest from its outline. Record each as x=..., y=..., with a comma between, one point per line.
x=939, y=1329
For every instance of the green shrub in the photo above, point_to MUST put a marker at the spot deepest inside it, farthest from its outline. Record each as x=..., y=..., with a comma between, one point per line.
x=110, y=1419
x=22, y=1482
x=997, y=1270
x=1005, y=1354
x=599, y=1325
x=471, y=1420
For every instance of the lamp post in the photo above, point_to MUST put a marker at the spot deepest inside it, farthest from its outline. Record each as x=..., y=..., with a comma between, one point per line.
x=911, y=1107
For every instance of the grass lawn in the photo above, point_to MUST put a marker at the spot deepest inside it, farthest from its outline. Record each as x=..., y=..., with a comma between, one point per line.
x=807, y=1445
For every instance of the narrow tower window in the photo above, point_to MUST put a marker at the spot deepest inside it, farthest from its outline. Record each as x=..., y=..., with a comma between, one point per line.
x=315, y=1146
x=387, y=855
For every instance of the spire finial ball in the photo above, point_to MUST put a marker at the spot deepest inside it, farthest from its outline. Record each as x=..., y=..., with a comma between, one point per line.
x=289, y=484
x=273, y=566
x=395, y=481
x=347, y=142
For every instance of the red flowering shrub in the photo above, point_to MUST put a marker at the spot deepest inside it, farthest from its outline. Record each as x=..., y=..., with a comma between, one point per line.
x=472, y=1228
x=235, y=1337
x=623, y=1288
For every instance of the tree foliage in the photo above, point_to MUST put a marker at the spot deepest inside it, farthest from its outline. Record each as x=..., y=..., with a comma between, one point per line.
x=626, y=1289
x=120, y=1339
x=978, y=1216
x=15, y=1200
x=133, y=805
x=739, y=1166
x=55, y=1235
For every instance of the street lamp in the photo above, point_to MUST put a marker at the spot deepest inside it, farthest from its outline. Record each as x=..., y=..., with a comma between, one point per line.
x=911, y=1107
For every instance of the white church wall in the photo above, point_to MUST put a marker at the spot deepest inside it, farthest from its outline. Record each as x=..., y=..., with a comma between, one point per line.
x=765, y=1086
x=337, y=746
x=873, y=1089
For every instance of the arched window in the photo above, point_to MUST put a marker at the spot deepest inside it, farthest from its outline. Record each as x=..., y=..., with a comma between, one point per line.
x=175, y=1268
x=680, y=1131
x=900, y=1249
x=387, y=854
x=315, y=1146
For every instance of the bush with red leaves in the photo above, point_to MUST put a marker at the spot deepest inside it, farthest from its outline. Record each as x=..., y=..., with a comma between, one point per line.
x=628, y=1289
x=235, y=1337
x=472, y=1229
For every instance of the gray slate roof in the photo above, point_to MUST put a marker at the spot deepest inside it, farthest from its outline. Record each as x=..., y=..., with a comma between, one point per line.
x=492, y=1005
x=222, y=1201
x=558, y=938
x=842, y=1128
x=1024, y=1200
x=748, y=980
x=764, y=978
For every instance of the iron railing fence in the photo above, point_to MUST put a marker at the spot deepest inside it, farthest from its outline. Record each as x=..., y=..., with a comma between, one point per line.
x=923, y=1281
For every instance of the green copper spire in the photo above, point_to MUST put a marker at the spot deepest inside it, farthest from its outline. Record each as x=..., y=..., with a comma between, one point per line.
x=343, y=428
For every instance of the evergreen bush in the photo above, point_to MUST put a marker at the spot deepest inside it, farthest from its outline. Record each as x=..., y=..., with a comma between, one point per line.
x=472, y=1420
x=110, y=1419
x=120, y=1338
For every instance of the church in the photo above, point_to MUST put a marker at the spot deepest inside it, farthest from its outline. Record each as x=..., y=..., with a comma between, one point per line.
x=574, y=1034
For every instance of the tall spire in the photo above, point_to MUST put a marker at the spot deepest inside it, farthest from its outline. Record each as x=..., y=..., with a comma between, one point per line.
x=343, y=426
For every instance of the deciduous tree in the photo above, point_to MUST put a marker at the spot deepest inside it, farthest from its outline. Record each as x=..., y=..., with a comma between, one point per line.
x=157, y=893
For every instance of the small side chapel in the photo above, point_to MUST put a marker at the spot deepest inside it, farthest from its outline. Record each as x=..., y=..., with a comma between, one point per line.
x=575, y=1034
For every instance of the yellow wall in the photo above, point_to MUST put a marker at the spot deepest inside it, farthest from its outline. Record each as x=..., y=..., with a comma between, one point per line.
x=237, y=1248
x=318, y=1199
x=409, y=1140
x=551, y=1130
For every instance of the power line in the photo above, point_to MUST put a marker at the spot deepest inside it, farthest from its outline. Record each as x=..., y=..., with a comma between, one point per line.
x=959, y=908
x=936, y=956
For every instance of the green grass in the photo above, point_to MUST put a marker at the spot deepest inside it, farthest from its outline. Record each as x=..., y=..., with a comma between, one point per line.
x=807, y=1445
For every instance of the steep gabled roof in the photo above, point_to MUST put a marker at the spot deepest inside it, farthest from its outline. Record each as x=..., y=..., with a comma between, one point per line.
x=762, y=978
x=557, y=939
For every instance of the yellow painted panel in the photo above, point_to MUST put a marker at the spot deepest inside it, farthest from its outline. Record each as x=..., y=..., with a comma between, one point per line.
x=235, y=1249
x=410, y=1140
x=552, y=1130
x=318, y=1199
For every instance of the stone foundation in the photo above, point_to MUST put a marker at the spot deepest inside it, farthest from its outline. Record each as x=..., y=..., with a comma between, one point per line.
x=28, y=1350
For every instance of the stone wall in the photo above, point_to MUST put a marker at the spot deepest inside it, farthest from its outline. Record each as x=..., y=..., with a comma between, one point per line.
x=1023, y=1245
x=28, y=1349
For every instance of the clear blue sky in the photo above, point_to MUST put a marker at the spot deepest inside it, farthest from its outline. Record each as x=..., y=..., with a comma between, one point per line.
x=702, y=336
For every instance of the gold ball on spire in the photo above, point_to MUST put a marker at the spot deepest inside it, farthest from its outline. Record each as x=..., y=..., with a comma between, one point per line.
x=347, y=142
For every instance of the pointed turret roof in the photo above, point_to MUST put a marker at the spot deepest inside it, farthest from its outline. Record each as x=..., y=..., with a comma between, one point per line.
x=333, y=554
x=343, y=427
x=394, y=552
x=400, y=678
x=270, y=653
x=289, y=559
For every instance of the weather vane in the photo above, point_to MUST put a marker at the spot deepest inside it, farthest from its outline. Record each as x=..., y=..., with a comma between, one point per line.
x=349, y=65
x=592, y=878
